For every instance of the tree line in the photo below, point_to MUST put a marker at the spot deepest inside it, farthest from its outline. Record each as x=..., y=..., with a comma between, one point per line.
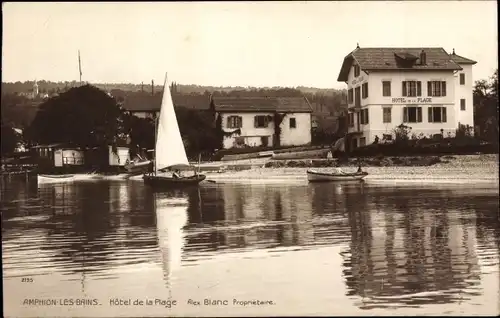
x=87, y=116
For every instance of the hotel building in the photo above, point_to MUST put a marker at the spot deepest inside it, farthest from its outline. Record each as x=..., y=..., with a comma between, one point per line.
x=426, y=89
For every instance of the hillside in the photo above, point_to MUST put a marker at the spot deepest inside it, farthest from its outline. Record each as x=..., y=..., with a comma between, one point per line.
x=52, y=87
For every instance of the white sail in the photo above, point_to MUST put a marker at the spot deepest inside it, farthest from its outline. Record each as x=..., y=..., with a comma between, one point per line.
x=171, y=217
x=169, y=149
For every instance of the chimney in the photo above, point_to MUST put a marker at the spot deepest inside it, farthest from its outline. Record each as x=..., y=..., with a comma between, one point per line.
x=423, y=58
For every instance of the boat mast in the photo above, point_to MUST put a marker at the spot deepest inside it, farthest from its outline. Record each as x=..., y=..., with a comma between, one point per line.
x=156, y=124
x=80, y=67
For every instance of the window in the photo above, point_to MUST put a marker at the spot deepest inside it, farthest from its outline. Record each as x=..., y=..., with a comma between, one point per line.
x=350, y=96
x=364, y=92
x=362, y=141
x=462, y=104
x=351, y=119
x=436, y=88
x=387, y=114
x=264, y=140
x=357, y=70
x=386, y=88
x=293, y=123
x=363, y=119
x=412, y=114
x=234, y=122
x=261, y=121
x=437, y=114
x=462, y=79
x=412, y=88
x=357, y=96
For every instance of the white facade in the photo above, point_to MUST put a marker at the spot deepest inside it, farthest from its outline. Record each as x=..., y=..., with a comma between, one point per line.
x=120, y=158
x=417, y=116
x=295, y=129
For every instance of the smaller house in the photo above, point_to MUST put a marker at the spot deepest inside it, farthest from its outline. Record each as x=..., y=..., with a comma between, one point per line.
x=120, y=158
x=252, y=121
x=55, y=157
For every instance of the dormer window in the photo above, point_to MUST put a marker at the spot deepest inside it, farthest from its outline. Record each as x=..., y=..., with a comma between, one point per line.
x=357, y=70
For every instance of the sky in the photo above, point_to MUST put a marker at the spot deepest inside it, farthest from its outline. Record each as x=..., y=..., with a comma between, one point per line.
x=260, y=44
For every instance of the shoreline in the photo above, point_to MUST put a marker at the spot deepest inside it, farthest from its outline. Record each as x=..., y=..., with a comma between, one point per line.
x=471, y=169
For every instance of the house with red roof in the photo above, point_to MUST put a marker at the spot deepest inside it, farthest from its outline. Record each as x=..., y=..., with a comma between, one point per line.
x=425, y=88
x=251, y=121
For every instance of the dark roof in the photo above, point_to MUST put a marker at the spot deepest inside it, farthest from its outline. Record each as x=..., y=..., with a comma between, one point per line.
x=385, y=58
x=262, y=104
x=460, y=59
x=146, y=102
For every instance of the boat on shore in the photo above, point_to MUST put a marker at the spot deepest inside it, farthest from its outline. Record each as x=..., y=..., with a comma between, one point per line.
x=138, y=165
x=170, y=159
x=318, y=176
x=55, y=178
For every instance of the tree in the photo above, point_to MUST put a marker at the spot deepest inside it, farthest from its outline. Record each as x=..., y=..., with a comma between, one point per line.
x=141, y=132
x=198, y=130
x=10, y=139
x=485, y=97
x=83, y=116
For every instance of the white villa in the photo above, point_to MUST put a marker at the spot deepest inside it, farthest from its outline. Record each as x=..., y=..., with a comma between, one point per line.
x=250, y=121
x=424, y=88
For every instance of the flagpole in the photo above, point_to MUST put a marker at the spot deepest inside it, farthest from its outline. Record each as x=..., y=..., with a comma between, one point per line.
x=80, y=67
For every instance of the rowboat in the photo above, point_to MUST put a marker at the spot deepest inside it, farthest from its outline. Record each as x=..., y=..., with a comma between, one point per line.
x=51, y=178
x=317, y=176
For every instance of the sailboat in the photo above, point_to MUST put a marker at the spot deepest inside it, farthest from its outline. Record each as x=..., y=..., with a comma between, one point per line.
x=170, y=155
x=171, y=217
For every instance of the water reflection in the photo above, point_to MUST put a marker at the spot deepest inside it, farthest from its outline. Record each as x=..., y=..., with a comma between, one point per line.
x=400, y=246
x=171, y=217
x=412, y=251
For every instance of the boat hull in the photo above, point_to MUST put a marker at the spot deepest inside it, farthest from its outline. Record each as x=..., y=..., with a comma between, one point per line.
x=48, y=178
x=315, y=176
x=167, y=182
x=139, y=167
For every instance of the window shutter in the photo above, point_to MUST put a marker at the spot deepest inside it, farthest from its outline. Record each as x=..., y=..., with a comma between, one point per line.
x=429, y=88
x=240, y=121
x=366, y=90
x=419, y=114
x=419, y=88
x=404, y=88
x=429, y=115
x=443, y=114
x=255, y=122
x=405, y=114
x=228, y=124
x=366, y=119
x=443, y=88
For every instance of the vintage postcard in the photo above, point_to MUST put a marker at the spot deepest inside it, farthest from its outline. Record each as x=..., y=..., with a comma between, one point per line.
x=315, y=158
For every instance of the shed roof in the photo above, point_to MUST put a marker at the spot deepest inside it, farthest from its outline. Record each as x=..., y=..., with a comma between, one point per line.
x=147, y=102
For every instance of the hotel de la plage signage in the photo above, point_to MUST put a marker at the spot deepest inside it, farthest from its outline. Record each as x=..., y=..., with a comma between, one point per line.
x=411, y=100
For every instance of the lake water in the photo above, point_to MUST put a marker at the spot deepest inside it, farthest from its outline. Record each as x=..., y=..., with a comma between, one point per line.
x=99, y=249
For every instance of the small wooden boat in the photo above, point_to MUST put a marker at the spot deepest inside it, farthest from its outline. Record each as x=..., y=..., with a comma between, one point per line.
x=316, y=176
x=139, y=166
x=46, y=178
x=164, y=181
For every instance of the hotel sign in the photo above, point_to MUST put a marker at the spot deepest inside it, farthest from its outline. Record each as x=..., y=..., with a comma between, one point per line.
x=412, y=100
x=357, y=80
